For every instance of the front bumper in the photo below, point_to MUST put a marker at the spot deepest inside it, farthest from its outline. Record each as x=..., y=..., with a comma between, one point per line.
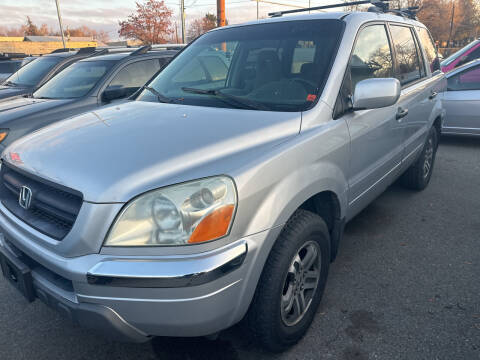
x=133, y=298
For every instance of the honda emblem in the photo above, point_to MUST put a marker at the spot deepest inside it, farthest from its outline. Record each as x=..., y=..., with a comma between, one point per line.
x=25, y=197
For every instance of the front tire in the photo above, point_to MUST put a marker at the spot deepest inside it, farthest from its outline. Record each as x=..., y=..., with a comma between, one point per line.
x=292, y=283
x=418, y=175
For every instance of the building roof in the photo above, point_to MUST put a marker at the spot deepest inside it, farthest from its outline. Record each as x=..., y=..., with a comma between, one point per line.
x=56, y=38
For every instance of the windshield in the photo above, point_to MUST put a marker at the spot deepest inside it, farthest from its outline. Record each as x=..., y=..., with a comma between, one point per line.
x=279, y=66
x=75, y=81
x=455, y=55
x=32, y=73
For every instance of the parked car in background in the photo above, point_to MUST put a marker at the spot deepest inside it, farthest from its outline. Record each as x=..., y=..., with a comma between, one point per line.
x=222, y=191
x=462, y=56
x=9, y=66
x=34, y=74
x=82, y=86
x=461, y=101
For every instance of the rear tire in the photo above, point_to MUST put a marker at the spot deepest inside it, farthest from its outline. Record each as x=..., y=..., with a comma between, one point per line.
x=292, y=283
x=419, y=173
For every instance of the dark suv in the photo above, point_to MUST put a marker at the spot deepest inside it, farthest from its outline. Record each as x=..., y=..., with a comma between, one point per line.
x=34, y=74
x=83, y=86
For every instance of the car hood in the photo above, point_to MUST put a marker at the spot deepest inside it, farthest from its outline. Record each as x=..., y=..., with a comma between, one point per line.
x=10, y=91
x=20, y=107
x=120, y=151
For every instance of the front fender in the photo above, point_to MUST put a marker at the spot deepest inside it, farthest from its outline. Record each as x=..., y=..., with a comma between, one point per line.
x=282, y=180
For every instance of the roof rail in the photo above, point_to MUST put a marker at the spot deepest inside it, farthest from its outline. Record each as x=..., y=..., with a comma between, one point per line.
x=410, y=12
x=61, y=50
x=8, y=56
x=380, y=4
x=86, y=50
x=99, y=52
x=168, y=46
x=142, y=50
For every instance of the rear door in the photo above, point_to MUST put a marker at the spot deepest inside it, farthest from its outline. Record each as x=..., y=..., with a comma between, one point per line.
x=417, y=98
x=461, y=102
x=376, y=137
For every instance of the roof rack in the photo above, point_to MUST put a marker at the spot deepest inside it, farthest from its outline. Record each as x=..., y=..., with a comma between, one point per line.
x=86, y=50
x=379, y=6
x=11, y=56
x=168, y=46
x=61, y=50
x=142, y=50
x=382, y=5
x=410, y=12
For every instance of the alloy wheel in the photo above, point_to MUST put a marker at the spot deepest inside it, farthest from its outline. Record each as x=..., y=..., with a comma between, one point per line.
x=300, y=283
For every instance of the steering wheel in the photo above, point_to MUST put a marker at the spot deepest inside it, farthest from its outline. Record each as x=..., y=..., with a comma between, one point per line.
x=309, y=86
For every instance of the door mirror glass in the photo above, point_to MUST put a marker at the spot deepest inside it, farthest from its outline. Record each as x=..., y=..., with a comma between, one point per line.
x=113, y=93
x=376, y=93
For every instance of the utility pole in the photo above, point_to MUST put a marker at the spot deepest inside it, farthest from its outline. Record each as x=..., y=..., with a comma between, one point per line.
x=60, y=22
x=257, y=8
x=221, y=13
x=451, y=23
x=182, y=14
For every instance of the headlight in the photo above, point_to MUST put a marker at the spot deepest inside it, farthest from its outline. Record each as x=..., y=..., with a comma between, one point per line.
x=188, y=213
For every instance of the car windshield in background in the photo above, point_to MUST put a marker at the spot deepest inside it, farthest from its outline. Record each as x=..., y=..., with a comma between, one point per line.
x=279, y=66
x=75, y=81
x=33, y=72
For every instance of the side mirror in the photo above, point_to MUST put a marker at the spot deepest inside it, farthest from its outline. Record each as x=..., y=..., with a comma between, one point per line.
x=113, y=93
x=376, y=93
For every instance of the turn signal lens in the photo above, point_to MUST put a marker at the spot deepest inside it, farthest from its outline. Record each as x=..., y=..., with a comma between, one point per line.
x=182, y=214
x=213, y=226
x=3, y=134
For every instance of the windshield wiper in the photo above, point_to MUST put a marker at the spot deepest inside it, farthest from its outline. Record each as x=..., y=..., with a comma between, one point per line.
x=9, y=83
x=245, y=103
x=161, y=98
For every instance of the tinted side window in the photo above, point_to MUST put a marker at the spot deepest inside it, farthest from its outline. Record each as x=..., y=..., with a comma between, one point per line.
x=430, y=49
x=408, y=65
x=134, y=76
x=372, y=57
x=466, y=80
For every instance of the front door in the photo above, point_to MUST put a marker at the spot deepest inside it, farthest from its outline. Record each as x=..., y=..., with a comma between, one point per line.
x=376, y=135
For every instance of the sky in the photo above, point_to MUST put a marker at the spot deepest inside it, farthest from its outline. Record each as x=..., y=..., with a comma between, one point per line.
x=105, y=14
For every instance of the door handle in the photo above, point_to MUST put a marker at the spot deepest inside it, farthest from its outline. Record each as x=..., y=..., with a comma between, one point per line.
x=401, y=113
x=433, y=95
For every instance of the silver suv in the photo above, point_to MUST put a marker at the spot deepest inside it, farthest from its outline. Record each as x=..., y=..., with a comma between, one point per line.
x=221, y=193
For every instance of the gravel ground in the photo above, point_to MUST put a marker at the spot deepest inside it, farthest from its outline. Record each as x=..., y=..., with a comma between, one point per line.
x=404, y=286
